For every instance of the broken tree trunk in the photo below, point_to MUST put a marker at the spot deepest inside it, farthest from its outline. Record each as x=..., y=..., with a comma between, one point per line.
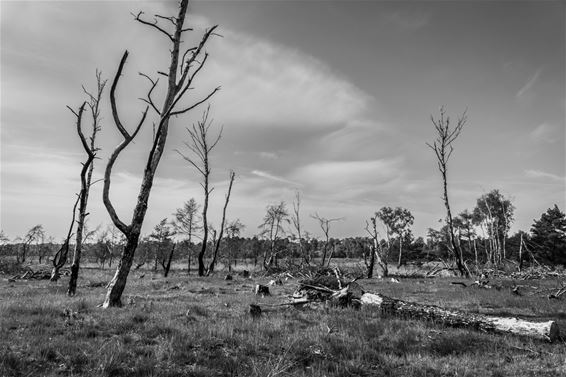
x=539, y=330
x=353, y=295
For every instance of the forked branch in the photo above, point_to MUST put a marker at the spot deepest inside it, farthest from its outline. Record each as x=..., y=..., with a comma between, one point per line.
x=127, y=140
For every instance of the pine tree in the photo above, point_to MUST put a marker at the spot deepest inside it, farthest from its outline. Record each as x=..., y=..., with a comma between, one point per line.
x=549, y=236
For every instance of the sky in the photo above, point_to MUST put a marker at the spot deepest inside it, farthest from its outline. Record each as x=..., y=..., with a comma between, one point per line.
x=329, y=98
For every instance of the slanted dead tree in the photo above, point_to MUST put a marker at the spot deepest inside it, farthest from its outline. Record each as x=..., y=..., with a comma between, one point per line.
x=181, y=75
x=324, y=224
x=442, y=147
x=378, y=254
x=86, y=172
x=60, y=257
x=222, y=226
x=201, y=146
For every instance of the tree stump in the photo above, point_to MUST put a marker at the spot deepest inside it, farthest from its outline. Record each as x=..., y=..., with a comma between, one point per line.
x=245, y=274
x=255, y=311
x=262, y=290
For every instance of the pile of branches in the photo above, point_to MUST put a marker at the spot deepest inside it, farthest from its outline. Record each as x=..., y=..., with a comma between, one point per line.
x=41, y=274
x=331, y=287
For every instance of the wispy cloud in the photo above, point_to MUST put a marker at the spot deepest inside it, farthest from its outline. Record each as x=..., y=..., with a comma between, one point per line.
x=529, y=84
x=542, y=175
x=544, y=133
x=272, y=85
x=272, y=177
x=349, y=180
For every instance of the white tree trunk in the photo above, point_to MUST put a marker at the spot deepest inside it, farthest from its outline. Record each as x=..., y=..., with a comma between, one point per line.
x=540, y=330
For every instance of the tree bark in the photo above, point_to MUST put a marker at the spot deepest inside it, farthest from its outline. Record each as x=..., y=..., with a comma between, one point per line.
x=222, y=224
x=118, y=282
x=539, y=330
x=175, y=91
x=167, y=266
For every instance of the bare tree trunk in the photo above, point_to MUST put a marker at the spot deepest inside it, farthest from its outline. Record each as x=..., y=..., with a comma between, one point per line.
x=189, y=252
x=400, y=251
x=167, y=265
x=60, y=257
x=476, y=254
x=443, y=149
x=371, y=263
x=118, y=282
x=521, y=253
x=201, y=266
x=548, y=330
x=86, y=178
x=222, y=224
x=457, y=252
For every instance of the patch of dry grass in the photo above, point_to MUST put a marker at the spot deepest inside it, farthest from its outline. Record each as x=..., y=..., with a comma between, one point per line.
x=189, y=326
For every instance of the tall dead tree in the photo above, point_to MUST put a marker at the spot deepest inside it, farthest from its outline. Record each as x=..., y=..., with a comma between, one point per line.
x=377, y=253
x=442, y=147
x=325, y=226
x=296, y=220
x=86, y=172
x=201, y=146
x=183, y=69
x=222, y=226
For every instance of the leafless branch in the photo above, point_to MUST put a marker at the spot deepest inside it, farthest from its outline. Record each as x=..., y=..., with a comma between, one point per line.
x=153, y=24
x=149, y=100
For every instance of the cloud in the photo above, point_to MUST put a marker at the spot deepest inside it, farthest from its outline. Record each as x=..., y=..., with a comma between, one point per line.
x=544, y=133
x=529, y=84
x=541, y=175
x=349, y=180
x=267, y=84
x=271, y=177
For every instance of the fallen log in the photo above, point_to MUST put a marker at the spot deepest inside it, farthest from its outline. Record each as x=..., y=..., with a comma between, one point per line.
x=539, y=330
x=353, y=295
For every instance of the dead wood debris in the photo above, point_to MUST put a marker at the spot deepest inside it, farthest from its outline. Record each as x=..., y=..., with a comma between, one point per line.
x=335, y=291
x=42, y=274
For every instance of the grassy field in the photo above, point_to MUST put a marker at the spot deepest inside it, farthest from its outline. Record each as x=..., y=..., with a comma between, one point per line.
x=190, y=326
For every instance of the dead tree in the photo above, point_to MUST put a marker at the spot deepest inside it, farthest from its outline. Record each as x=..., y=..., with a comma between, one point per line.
x=325, y=226
x=377, y=254
x=222, y=224
x=201, y=146
x=166, y=262
x=442, y=147
x=60, y=257
x=86, y=173
x=296, y=220
x=272, y=229
x=183, y=70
